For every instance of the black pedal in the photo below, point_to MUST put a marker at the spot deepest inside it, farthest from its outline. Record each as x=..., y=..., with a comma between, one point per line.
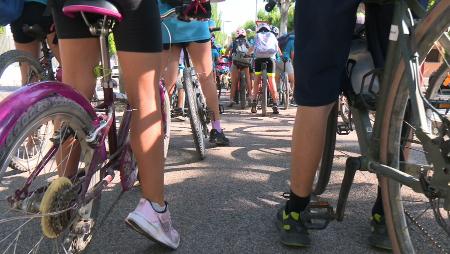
x=320, y=214
x=343, y=129
x=221, y=109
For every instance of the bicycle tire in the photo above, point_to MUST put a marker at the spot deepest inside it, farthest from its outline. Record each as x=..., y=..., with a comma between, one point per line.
x=196, y=126
x=48, y=110
x=287, y=91
x=165, y=108
x=323, y=172
x=436, y=80
x=392, y=116
x=16, y=56
x=242, y=90
x=264, y=93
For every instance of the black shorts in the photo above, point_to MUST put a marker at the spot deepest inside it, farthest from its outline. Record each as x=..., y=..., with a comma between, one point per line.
x=139, y=31
x=270, y=65
x=183, y=44
x=327, y=29
x=32, y=14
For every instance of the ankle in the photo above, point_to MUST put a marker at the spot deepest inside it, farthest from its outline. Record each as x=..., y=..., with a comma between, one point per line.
x=297, y=203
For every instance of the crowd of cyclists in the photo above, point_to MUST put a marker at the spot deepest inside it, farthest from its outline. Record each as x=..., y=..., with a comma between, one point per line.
x=149, y=50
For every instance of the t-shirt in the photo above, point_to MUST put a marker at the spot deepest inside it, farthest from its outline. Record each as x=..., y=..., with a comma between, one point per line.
x=177, y=31
x=288, y=49
x=215, y=56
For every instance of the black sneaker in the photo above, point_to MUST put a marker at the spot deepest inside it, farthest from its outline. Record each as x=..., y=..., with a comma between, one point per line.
x=218, y=138
x=379, y=237
x=253, y=110
x=275, y=110
x=293, y=231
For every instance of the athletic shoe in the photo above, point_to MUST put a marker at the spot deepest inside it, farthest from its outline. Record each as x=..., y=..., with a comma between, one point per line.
x=275, y=110
x=293, y=231
x=218, y=138
x=254, y=110
x=153, y=225
x=379, y=237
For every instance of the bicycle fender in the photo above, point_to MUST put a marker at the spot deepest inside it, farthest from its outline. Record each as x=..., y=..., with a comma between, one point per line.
x=17, y=103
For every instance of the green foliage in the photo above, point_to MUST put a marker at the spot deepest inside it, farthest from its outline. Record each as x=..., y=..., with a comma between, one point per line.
x=273, y=17
x=2, y=30
x=216, y=16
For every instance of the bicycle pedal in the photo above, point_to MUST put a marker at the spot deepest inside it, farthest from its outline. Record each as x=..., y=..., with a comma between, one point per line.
x=343, y=129
x=320, y=214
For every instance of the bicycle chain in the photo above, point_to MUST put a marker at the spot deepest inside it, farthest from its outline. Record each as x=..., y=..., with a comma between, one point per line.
x=425, y=232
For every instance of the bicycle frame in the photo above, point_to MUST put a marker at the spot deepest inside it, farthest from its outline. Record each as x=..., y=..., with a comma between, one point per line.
x=402, y=52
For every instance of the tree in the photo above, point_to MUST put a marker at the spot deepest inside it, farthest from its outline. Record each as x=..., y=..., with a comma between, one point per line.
x=216, y=16
x=274, y=17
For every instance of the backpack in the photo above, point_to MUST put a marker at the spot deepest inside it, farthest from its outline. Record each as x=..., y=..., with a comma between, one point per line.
x=240, y=46
x=266, y=45
x=283, y=40
x=10, y=10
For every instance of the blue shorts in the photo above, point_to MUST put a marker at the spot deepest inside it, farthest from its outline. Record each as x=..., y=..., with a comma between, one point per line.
x=325, y=32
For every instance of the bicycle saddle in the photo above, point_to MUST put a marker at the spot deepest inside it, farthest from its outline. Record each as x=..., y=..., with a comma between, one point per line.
x=34, y=31
x=100, y=7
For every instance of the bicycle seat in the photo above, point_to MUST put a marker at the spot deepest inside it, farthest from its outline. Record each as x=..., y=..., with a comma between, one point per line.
x=100, y=7
x=34, y=31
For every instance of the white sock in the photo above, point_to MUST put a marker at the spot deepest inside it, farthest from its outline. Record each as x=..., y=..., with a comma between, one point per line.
x=158, y=208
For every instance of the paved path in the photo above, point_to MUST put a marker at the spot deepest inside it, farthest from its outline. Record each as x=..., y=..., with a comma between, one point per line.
x=227, y=203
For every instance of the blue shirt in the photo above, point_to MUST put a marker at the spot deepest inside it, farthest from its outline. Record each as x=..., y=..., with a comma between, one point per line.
x=288, y=49
x=181, y=31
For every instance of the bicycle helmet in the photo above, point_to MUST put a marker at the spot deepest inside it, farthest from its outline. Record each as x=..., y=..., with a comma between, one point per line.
x=263, y=26
x=275, y=30
x=241, y=33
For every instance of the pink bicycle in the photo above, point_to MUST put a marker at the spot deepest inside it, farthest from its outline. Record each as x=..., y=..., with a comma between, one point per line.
x=41, y=211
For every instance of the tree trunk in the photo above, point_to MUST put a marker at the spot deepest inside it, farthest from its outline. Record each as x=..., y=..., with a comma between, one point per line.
x=284, y=10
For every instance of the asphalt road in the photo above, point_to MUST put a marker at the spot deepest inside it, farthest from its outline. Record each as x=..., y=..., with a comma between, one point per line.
x=227, y=202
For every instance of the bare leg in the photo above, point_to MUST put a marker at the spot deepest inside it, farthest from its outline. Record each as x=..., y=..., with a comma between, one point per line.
x=53, y=47
x=308, y=140
x=142, y=87
x=201, y=58
x=273, y=88
x=256, y=87
x=234, y=82
x=171, y=59
x=88, y=50
x=31, y=48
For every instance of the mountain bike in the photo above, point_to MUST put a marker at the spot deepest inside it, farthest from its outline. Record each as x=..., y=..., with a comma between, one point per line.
x=197, y=111
x=263, y=89
x=407, y=142
x=42, y=211
x=284, y=88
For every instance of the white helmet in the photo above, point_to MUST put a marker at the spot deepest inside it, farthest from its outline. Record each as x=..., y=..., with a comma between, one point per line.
x=241, y=32
x=263, y=26
x=275, y=30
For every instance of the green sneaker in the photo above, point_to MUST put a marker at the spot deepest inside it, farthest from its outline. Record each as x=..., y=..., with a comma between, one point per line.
x=293, y=231
x=379, y=237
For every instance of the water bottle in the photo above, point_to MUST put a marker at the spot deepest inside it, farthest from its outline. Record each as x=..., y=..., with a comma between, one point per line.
x=360, y=68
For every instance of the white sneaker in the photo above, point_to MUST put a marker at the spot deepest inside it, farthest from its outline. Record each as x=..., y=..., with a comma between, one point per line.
x=153, y=225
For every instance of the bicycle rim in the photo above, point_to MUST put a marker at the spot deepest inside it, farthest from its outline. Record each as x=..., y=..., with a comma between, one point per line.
x=50, y=204
x=411, y=223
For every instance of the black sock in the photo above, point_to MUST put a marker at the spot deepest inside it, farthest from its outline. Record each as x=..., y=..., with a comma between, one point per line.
x=378, y=206
x=296, y=203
